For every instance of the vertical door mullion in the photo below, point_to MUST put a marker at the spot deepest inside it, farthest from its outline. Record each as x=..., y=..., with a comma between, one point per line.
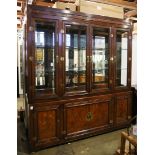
x=56, y=58
x=129, y=58
x=112, y=57
x=31, y=58
x=61, y=59
x=89, y=58
x=111, y=38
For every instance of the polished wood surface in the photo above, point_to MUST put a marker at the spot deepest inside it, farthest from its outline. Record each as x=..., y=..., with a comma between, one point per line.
x=63, y=116
x=121, y=110
x=87, y=115
x=46, y=124
x=123, y=103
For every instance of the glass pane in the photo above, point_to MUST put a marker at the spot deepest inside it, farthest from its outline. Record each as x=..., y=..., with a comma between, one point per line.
x=75, y=57
x=45, y=56
x=100, y=54
x=121, y=57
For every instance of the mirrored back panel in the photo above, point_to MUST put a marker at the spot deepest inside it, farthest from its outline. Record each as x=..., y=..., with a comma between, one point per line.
x=121, y=58
x=75, y=57
x=100, y=58
x=45, y=56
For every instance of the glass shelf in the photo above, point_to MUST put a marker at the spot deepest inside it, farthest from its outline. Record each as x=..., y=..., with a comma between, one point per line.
x=75, y=53
x=45, y=56
x=100, y=53
x=121, y=58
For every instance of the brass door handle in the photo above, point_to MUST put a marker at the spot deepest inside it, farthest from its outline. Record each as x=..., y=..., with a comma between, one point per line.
x=62, y=59
x=89, y=116
x=31, y=58
x=57, y=59
x=111, y=59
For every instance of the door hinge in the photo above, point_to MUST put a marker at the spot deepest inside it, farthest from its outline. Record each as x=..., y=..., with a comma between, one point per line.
x=87, y=59
x=57, y=59
x=31, y=28
x=62, y=59
x=61, y=31
x=129, y=58
x=111, y=59
x=111, y=35
x=31, y=58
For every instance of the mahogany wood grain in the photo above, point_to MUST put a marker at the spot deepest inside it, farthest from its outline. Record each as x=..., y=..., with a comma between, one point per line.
x=85, y=115
x=61, y=117
x=46, y=124
x=122, y=108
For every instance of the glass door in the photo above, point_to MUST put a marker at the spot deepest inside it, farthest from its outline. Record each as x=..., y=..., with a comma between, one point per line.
x=121, y=58
x=45, y=57
x=100, y=58
x=75, y=57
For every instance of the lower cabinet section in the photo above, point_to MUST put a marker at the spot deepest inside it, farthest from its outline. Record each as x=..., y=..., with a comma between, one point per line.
x=46, y=125
x=87, y=116
x=122, y=108
x=58, y=122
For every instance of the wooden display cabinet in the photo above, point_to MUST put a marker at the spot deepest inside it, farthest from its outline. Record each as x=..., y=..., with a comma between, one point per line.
x=77, y=75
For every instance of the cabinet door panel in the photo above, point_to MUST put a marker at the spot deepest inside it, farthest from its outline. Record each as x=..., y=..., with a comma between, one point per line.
x=87, y=116
x=46, y=124
x=121, y=69
x=76, y=118
x=100, y=114
x=45, y=52
x=100, y=58
x=123, y=108
x=75, y=57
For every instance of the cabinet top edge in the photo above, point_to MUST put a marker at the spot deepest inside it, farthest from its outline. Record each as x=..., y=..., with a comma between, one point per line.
x=43, y=9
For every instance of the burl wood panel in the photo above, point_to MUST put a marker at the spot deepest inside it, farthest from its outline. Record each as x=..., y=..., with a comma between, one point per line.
x=76, y=118
x=121, y=109
x=46, y=124
x=84, y=117
x=100, y=114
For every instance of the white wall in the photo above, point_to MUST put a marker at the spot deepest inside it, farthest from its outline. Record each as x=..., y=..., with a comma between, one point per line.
x=134, y=61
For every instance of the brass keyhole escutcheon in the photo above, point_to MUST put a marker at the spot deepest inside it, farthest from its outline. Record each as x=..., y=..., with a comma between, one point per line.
x=89, y=116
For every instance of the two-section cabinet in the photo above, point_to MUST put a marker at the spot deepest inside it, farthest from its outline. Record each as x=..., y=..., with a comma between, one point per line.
x=77, y=75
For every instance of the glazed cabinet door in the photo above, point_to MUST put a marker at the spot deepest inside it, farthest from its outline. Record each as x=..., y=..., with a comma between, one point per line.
x=44, y=46
x=122, y=58
x=122, y=108
x=75, y=52
x=47, y=125
x=87, y=116
x=100, y=56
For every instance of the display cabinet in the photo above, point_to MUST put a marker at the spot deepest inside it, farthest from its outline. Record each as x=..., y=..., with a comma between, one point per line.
x=77, y=75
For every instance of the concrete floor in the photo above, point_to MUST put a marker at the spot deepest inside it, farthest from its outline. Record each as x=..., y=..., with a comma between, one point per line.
x=105, y=144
